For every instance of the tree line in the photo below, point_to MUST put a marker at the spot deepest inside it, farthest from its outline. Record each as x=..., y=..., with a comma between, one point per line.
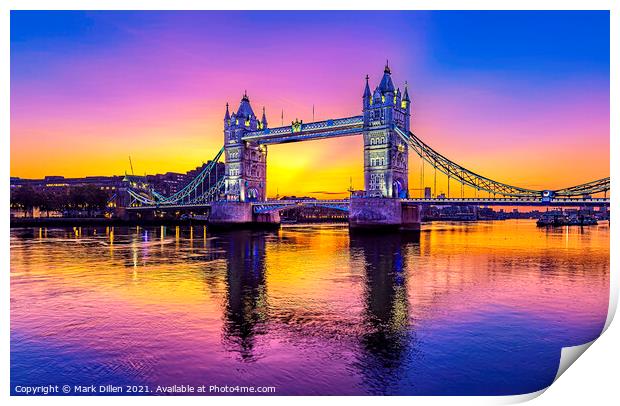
x=73, y=199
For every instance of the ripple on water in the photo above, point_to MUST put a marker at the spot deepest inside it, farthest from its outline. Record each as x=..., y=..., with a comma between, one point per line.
x=459, y=308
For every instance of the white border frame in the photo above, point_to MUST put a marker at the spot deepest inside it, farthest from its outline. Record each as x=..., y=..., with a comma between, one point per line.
x=594, y=380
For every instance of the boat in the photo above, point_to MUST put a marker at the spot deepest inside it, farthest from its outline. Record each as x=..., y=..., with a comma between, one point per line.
x=582, y=220
x=552, y=218
x=559, y=218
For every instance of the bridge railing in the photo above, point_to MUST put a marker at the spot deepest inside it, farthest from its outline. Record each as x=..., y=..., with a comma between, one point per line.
x=334, y=124
x=516, y=201
x=276, y=205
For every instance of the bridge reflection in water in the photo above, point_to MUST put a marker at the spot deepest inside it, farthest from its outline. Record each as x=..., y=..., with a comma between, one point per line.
x=464, y=309
x=387, y=338
x=246, y=296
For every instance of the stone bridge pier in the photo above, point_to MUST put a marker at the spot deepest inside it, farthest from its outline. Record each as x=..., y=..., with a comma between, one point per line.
x=376, y=214
x=230, y=214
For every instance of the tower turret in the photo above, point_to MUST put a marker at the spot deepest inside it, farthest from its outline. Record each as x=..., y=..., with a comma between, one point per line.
x=405, y=105
x=406, y=96
x=263, y=120
x=386, y=84
x=244, y=117
x=367, y=95
x=226, y=117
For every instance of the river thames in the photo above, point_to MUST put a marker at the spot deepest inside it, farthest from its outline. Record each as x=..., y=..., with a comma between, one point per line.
x=459, y=308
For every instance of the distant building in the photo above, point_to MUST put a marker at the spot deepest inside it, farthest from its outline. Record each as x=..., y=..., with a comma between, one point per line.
x=165, y=184
x=297, y=198
x=108, y=183
x=427, y=193
x=312, y=214
x=214, y=176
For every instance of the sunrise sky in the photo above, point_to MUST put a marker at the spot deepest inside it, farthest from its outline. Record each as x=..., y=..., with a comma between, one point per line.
x=520, y=97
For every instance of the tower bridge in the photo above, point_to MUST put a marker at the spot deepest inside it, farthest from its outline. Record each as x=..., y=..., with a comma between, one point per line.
x=238, y=196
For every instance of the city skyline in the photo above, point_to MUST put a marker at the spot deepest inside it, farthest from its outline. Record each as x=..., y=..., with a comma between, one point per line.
x=529, y=107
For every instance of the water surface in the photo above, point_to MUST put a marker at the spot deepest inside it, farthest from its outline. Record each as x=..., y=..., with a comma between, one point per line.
x=476, y=308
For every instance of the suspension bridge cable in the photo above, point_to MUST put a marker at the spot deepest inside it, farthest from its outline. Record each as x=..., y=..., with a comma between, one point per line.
x=480, y=182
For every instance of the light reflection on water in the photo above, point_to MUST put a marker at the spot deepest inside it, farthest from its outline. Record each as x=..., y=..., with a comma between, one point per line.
x=479, y=308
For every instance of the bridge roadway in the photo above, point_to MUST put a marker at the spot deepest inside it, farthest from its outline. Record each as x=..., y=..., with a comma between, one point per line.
x=474, y=201
x=341, y=204
x=339, y=127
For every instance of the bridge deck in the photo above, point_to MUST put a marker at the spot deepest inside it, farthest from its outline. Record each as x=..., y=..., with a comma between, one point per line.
x=338, y=203
x=303, y=132
x=509, y=202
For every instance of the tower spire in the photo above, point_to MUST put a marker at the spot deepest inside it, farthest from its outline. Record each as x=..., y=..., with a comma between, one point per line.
x=367, y=88
x=264, y=119
x=386, y=84
x=227, y=115
x=387, y=66
x=245, y=109
x=406, y=94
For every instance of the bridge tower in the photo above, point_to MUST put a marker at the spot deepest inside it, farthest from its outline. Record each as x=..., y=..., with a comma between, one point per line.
x=385, y=153
x=385, y=161
x=246, y=161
